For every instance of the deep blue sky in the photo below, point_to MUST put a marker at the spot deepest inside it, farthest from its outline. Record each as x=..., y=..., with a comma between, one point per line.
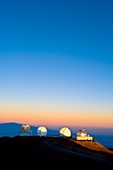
x=57, y=52
x=71, y=27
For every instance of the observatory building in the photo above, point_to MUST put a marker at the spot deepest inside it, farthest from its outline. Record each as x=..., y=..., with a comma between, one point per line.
x=65, y=132
x=25, y=130
x=41, y=131
x=82, y=135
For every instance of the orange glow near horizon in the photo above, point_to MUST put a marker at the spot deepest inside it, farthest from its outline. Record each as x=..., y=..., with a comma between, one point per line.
x=55, y=117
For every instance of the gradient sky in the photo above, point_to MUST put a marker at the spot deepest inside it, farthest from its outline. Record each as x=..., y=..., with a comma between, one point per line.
x=56, y=62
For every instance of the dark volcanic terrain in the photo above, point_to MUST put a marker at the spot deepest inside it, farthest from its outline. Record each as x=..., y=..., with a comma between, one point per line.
x=53, y=152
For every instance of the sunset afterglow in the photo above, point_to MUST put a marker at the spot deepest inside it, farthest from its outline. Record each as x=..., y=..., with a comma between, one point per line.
x=56, y=63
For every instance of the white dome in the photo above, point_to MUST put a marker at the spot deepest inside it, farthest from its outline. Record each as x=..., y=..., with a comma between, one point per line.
x=41, y=131
x=65, y=132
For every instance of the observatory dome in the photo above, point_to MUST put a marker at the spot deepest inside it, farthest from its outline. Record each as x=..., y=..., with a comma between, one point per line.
x=81, y=133
x=41, y=131
x=25, y=130
x=65, y=132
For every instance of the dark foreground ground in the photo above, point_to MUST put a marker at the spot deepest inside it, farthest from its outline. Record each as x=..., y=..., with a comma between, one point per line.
x=39, y=152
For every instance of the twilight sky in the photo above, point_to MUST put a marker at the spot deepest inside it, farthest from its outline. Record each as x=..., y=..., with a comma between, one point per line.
x=56, y=62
